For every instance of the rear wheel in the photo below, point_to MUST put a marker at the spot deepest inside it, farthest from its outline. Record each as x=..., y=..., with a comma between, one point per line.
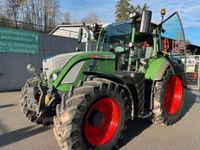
x=169, y=98
x=93, y=116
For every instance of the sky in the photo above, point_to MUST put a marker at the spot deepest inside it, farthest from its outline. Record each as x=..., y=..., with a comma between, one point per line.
x=105, y=9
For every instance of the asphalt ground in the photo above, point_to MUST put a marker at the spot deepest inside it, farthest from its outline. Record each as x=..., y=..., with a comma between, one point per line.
x=17, y=133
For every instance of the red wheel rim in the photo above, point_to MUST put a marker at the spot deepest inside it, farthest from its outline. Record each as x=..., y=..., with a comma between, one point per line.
x=100, y=134
x=173, y=95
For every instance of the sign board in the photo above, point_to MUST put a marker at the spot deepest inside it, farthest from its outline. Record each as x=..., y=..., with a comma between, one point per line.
x=19, y=41
x=190, y=67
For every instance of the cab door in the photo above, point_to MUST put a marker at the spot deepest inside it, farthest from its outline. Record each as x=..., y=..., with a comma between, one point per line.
x=173, y=40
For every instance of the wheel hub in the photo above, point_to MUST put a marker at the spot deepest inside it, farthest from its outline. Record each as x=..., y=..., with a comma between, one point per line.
x=96, y=118
x=101, y=122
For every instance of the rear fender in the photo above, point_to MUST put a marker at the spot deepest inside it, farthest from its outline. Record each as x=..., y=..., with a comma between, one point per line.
x=155, y=68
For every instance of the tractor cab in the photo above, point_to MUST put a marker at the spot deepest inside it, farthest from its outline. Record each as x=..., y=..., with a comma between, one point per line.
x=137, y=40
x=121, y=37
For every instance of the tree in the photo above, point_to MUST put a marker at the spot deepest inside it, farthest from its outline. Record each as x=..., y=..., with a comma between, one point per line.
x=122, y=10
x=138, y=8
x=67, y=18
x=33, y=12
x=2, y=9
x=50, y=12
x=91, y=18
x=13, y=8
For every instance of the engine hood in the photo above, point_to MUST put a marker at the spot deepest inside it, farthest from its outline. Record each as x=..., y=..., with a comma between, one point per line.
x=57, y=62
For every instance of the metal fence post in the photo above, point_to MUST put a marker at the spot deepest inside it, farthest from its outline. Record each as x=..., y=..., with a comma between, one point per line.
x=199, y=74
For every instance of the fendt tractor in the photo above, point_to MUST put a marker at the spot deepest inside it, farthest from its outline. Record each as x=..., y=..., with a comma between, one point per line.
x=133, y=74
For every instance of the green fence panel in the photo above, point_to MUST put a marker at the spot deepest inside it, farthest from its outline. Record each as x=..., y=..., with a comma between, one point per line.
x=19, y=41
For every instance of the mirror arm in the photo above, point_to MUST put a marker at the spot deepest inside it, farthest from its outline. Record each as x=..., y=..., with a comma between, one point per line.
x=86, y=27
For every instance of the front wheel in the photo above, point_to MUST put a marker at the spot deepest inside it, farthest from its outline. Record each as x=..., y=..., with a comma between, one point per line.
x=169, y=99
x=92, y=116
x=47, y=116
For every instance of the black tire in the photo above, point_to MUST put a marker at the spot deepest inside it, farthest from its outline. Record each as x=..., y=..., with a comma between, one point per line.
x=71, y=114
x=160, y=113
x=45, y=119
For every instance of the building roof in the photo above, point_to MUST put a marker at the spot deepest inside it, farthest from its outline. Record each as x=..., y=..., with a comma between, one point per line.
x=66, y=26
x=194, y=49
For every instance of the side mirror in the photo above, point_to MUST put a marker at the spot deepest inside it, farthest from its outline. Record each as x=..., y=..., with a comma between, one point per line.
x=96, y=29
x=145, y=26
x=80, y=35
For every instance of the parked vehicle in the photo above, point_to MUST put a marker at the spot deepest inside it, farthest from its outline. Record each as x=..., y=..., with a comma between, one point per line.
x=143, y=81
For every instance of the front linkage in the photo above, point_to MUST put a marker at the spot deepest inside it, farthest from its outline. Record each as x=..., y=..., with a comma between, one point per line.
x=38, y=101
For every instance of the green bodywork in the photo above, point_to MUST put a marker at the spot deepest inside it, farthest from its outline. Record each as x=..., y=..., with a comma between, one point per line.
x=106, y=64
x=152, y=67
x=132, y=41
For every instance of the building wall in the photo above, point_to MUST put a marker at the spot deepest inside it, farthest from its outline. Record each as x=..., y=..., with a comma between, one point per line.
x=13, y=73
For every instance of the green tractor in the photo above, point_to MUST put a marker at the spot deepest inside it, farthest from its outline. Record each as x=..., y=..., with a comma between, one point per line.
x=142, y=76
x=133, y=73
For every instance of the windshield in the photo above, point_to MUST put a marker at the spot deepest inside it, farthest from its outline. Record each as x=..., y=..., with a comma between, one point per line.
x=115, y=35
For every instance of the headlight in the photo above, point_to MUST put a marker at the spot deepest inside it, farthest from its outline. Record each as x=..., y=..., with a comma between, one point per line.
x=54, y=77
